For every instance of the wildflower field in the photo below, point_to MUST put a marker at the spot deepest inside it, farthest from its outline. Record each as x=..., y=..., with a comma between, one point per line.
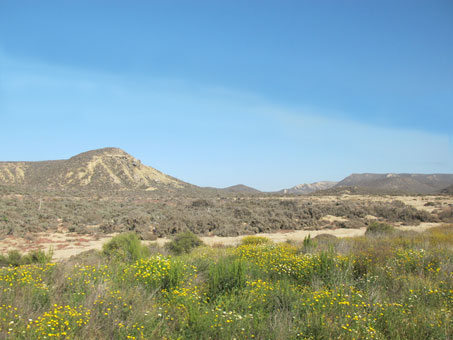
x=391, y=285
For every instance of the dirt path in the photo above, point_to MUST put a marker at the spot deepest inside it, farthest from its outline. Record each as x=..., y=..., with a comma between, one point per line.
x=300, y=235
x=65, y=245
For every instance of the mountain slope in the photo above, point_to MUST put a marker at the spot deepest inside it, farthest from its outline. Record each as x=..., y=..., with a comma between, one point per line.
x=102, y=169
x=447, y=190
x=407, y=183
x=302, y=189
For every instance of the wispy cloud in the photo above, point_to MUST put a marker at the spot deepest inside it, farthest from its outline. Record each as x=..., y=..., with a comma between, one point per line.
x=204, y=134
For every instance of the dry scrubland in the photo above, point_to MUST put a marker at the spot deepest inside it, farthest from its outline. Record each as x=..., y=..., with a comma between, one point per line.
x=154, y=215
x=385, y=285
x=71, y=222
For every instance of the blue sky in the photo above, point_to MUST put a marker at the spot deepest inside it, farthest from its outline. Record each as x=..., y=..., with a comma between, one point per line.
x=266, y=93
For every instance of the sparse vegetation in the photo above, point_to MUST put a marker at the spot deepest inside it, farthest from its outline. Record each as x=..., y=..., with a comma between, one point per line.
x=397, y=286
x=152, y=215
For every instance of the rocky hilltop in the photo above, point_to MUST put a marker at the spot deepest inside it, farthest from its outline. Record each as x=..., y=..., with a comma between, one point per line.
x=308, y=188
x=102, y=169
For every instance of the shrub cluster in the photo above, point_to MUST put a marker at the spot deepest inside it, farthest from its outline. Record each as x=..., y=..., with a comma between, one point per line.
x=376, y=228
x=15, y=258
x=125, y=247
x=156, y=215
x=184, y=243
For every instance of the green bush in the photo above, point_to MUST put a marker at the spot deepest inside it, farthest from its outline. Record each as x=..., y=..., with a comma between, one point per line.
x=376, y=228
x=126, y=247
x=38, y=256
x=15, y=258
x=184, y=243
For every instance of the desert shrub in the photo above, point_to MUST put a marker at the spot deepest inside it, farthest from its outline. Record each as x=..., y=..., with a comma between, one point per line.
x=353, y=223
x=15, y=258
x=255, y=240
x=325, y=241
x=201, y=203
x=446, y=215
x=329, y=238
x=376, y=228
x=398, y=211
x=126, y=247
x=38, y=256
x=184, y=243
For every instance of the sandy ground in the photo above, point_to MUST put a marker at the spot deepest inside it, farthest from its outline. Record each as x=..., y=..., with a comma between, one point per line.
x=65, y=245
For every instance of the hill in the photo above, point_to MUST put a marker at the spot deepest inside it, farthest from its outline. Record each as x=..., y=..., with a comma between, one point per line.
x=405, y=183
x=241, y=188
x=302, y=189
x=447, y=190
x=102, y=169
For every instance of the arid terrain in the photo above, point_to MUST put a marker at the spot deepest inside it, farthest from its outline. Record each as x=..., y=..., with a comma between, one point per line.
x=100, y=246
x=77, y=204
x=70, y=225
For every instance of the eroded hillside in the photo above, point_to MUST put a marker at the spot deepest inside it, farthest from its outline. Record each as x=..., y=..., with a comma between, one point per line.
x=103, y=169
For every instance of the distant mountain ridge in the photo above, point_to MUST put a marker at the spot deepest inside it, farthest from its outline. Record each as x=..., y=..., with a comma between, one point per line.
x=302, y=189
x=406, y=183
x=114, y=169
x=101, y=169
x=241, y=188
